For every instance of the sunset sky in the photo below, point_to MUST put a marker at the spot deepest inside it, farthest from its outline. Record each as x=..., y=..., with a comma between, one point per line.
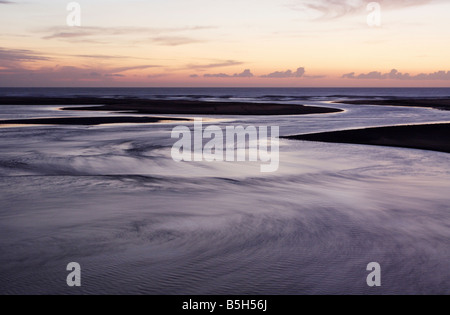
x=225, y=43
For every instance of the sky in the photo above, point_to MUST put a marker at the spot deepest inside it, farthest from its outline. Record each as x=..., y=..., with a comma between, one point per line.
x=225, y=43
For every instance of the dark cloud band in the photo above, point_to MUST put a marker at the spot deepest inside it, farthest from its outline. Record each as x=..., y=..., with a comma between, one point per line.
x=396, y=75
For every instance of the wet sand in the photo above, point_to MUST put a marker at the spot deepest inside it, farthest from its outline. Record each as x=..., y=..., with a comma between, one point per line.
x=179, y=107
x=432, y=137
x=442, y=104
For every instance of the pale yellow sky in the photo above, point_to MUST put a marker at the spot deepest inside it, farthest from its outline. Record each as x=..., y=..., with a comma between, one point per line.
x=212, y=43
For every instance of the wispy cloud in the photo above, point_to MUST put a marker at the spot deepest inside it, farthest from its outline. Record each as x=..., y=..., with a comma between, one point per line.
x=218, y=64
x=314, y=76
x=329, y=9
x=60, y=75
x=102, y=57
x=20, y=55
x=100, y=34
x=21, y=66
x=117, y=75
x=7, y=2
x=396, y=75
x=12, y=60
x=158, y=75
x=286, y=74
x=124, y=69
x=174, y=40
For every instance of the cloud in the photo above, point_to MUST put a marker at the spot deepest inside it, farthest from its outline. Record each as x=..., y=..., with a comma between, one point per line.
x=175, y=40
x=370, y=75
x=57, y=76
x=245, y=74
x=87, y=33
x=21, y=60
x=103, y=57
x=287, y=74
x=299, y=73
x=100, y=56
x=194, y=76
x=7, y=2
x=439, y=75
x=217, y=75
x=20, y=55
x=12, y=60
x=218, y=64
x=21, y=67
x=154, y=76
x=115, y=75
x=350, y=75
x=142, y=67
x=314, y=76
x=396, y=75
x=67, y=35
x=329, y=9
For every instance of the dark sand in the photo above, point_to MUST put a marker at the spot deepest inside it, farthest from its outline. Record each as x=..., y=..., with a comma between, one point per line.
x=425, y=137
x=442, y=104
x=88, y=120
x=144, y=106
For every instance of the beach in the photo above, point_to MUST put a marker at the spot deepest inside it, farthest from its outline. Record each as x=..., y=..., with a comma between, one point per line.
x=110, y=197
x=225, y=155
x=437, y=103
x=179, y=107
x=424, y=137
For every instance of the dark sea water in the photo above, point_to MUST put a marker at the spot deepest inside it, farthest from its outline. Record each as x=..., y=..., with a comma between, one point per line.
x=111, y=198
x=232, y=93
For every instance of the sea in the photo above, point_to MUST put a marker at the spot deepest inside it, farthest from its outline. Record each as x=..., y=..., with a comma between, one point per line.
x=112, y=199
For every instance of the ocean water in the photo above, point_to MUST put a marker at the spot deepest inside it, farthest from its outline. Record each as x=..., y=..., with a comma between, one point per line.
x=232, y=93
x=111, y=198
